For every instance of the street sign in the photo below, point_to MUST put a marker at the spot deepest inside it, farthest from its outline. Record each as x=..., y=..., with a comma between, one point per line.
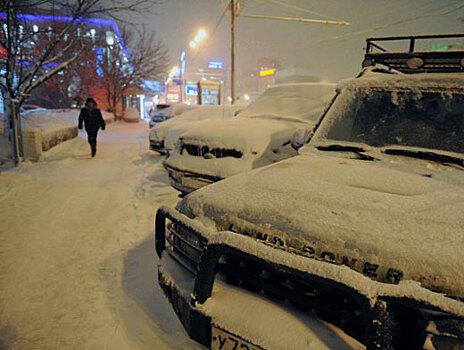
x=173, y=97
x=267, y=72
x=191, y=90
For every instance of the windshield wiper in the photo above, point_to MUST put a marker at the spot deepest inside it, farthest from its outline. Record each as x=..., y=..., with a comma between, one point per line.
x=341, y=148
x=436, y=157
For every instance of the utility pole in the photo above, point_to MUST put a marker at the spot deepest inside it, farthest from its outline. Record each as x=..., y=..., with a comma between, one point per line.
x=232, y=51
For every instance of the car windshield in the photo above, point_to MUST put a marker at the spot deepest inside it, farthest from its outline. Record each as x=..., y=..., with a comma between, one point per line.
x=379, y=118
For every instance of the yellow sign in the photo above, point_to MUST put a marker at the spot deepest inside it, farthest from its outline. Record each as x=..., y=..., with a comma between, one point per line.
x=267, y=72
x=173, y=97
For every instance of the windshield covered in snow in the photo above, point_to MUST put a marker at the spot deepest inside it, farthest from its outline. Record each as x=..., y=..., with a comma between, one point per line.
x=379, y=118
x=302, y=102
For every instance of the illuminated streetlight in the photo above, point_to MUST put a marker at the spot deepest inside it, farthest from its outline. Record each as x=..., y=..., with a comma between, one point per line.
x=193, y=44
x=197, y=39
x=202, y=33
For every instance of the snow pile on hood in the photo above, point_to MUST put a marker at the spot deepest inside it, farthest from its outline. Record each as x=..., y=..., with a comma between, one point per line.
x=377, y=213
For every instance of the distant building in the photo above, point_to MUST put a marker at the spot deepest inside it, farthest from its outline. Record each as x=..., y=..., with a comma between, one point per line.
x=95, y=29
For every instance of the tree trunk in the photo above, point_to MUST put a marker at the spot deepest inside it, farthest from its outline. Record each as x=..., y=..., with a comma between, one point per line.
x=13, y=121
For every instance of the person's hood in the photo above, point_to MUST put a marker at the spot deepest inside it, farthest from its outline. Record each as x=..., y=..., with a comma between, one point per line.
x=384, y=221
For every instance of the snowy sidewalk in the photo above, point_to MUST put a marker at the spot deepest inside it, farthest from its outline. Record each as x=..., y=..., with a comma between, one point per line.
x=77, y=265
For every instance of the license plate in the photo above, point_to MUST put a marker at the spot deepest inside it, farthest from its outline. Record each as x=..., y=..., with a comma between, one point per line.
x=222, y=340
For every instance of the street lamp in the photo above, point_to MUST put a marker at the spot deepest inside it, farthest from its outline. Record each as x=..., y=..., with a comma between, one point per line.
x=201, y=34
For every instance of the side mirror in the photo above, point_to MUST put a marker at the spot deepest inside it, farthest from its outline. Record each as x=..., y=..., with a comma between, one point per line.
x=300, y=137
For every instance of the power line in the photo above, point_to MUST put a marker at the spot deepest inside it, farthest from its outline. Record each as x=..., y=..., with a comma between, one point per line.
x=299, y=44
x=298, y=8
x=406, y=20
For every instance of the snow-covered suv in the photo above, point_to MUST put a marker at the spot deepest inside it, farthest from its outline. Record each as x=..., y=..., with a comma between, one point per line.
x=260, y=135
x=364, y=229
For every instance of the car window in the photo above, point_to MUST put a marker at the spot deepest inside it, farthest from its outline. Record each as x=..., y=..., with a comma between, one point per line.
x=427, y=119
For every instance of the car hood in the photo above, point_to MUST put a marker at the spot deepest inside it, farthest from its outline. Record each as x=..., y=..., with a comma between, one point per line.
x=243, y=134
x=176, y=130
x=378, y=218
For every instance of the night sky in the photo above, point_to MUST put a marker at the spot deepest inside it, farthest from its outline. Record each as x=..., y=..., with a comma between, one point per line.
x=328, y=51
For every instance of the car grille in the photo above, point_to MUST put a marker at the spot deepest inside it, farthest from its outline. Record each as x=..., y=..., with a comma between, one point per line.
x=330, y=304
x=184, y=246
x=207, y=152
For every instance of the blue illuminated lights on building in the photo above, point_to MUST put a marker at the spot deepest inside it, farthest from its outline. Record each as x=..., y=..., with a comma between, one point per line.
x=215, y=64
x=99, y=52
x=94, y=21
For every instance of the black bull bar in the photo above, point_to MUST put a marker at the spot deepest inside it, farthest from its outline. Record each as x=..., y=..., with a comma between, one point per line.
x=377, y=321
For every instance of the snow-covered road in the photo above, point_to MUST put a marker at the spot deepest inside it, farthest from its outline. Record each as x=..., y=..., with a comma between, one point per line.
x=77, y=265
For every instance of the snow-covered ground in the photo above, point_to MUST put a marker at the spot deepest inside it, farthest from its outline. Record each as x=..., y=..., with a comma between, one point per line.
x=77, y=264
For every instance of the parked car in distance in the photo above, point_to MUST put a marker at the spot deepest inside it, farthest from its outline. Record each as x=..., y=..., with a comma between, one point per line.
x=261, y=134
x=164, y=135
x=364, y=228
x=163, y=112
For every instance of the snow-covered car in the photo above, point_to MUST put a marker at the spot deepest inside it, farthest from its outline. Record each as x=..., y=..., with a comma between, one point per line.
x=261, y=134
x=363, y=229
x=163, y=112
x=164, y=135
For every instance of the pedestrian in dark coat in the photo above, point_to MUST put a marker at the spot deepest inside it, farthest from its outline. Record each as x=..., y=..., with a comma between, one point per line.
x=92, y=118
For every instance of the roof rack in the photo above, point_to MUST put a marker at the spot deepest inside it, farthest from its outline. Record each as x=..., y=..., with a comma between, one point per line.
x=412, y=61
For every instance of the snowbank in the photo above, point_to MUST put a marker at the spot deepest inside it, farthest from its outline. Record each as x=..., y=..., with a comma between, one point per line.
x=5, y=149
x=52, y=129
x=75, y=148
x=69, y=115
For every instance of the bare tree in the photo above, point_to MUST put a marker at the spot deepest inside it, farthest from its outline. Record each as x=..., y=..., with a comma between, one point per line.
x=148, y=61
x=24, y=66
x=70, y=86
